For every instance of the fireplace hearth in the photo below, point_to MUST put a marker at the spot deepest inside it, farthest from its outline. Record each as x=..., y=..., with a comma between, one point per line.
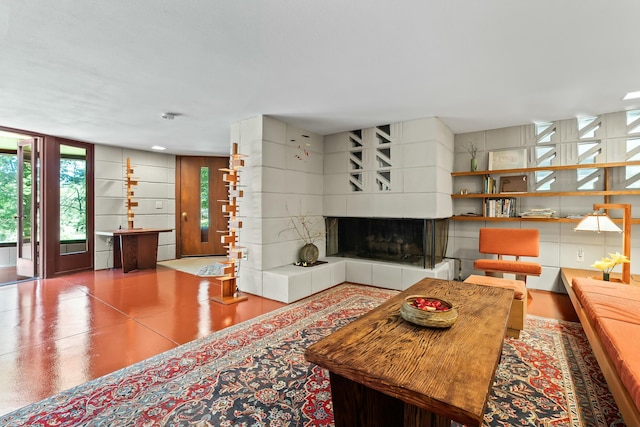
x=415, y=242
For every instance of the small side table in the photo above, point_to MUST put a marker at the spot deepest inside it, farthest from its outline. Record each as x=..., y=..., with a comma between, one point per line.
x=135, y=249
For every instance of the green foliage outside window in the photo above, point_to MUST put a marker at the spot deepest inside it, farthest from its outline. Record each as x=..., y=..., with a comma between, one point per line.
x=204, y=197
x=8, y=197
x=73, y=199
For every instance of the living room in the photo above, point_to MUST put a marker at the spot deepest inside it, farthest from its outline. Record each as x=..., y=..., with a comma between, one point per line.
x=299, y=148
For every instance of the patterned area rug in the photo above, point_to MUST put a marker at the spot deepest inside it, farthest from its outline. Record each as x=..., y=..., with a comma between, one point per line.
x=198, y=266
x=255, y=374
x=211, y=270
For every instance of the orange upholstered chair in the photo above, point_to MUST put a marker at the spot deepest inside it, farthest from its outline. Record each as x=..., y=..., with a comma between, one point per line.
x=512, y=242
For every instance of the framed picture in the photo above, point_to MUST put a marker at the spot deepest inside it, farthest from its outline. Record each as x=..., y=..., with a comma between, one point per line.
x=513, y=184
x=508, y=159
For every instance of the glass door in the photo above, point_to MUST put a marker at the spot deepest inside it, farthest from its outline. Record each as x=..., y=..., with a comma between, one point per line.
x=27, y=212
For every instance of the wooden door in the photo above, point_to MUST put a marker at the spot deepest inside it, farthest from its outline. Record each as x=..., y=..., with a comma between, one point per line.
x=198, y=210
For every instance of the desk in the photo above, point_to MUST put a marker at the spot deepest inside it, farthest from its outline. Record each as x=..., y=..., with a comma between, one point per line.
x=135, y=249
x=385, y=371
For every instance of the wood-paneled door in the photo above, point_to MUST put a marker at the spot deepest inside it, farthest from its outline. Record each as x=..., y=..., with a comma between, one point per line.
x=199, y=188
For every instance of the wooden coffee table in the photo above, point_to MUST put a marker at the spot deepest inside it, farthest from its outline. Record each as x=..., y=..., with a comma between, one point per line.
x=385, y=371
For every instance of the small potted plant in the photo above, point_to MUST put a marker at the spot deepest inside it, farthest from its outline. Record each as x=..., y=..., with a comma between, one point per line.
x=473, y=150
x=608, y=264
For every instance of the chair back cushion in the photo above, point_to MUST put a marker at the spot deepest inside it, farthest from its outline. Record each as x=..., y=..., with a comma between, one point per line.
x=510, y=241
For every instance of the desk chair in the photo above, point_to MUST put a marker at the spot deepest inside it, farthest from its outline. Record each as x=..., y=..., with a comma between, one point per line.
x=512, y=242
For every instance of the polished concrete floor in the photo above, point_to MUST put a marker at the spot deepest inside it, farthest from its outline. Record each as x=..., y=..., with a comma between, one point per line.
x=58, y=333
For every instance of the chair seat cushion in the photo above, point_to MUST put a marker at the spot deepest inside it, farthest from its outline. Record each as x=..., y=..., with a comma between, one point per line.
x=518, y=286
x=508, y=266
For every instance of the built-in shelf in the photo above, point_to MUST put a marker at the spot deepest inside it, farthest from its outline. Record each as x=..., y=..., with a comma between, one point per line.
x=548, y=168
x=485, y=197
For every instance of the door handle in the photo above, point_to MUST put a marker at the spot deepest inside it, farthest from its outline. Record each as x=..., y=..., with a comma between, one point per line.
x=184, y=216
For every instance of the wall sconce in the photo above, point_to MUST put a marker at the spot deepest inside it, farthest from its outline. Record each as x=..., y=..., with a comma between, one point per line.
x=601, y=222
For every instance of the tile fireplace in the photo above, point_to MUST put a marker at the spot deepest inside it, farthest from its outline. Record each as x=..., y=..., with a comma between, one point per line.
x=415, y=242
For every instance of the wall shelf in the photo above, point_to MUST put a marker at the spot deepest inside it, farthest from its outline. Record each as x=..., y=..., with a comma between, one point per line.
x=548, y=168
x=485, y=197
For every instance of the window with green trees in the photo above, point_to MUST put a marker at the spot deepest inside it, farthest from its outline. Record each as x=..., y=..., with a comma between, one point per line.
x=8, y=196
x=73, y=193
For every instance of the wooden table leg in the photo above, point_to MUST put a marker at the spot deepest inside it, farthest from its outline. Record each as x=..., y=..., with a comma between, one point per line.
x=129, y=253
x=355, y=404
x=117, y=252
x=147, y=251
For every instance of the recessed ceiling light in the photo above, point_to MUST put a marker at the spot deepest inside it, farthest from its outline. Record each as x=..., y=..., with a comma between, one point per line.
x=632, y=95
x=158, y=147
x=169, y=116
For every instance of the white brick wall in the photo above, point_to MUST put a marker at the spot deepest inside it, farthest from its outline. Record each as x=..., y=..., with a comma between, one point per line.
x=155, y=173
x=283, y=176
x=422, y=160
x=559, y=244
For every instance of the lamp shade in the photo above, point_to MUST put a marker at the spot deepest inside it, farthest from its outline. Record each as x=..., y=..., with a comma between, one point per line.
x=597, y=223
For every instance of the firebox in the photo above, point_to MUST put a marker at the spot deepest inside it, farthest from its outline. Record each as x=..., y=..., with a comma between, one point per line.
x=416, y=242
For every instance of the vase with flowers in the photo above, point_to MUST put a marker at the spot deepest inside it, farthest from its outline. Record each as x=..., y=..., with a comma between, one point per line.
x=606, y=265
x=473, y=150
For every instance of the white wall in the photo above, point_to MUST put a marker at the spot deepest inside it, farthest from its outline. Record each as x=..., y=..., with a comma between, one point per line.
x=421, y=159
x=155, y=173
x=8, y=256
x=282, y=176
x=559, y=244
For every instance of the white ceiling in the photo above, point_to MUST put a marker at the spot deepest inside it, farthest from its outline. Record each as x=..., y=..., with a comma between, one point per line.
x=104, y=71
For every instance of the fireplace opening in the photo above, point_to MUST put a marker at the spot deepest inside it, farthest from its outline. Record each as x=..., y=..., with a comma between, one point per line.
x=416, y=242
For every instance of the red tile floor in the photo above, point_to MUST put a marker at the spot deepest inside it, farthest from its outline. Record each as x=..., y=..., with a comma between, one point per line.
x=58, y=333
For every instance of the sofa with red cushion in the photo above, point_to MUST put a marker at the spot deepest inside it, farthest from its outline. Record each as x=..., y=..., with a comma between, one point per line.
x=610, y=316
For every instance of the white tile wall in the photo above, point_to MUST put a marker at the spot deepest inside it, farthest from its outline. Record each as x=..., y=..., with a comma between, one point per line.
x=422, y=160
x=8, y=256
x=320, y=279
x=559, y=243
x=334, y=205
x=427, y=152
x=250, y=280
x=291, y=286
x=284, y=175
x=338, y=270
x=155, y=173
x=387, y=276
x=336, y=184
x=359, y=272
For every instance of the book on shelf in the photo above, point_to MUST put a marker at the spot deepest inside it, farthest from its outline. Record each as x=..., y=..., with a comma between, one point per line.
x=538, y=213
x=490, y=185
x=501, y=207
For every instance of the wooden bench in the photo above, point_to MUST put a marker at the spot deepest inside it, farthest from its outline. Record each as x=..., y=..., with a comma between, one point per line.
x=518, y=314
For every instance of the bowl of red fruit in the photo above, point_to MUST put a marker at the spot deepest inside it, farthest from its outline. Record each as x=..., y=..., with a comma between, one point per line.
x=428, y=311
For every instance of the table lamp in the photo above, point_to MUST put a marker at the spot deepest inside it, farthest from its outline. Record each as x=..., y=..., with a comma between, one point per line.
x=601, y=222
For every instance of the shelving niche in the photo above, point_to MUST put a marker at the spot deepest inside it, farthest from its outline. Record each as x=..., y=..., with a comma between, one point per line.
x=485, y=197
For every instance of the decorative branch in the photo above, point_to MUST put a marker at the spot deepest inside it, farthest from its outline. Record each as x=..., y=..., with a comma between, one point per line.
x=308, y=230
x=472, y=148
